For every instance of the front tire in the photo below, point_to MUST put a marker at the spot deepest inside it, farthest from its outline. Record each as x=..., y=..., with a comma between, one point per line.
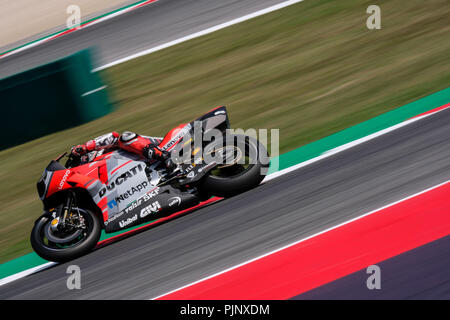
x=227, y=181
x=61, y=252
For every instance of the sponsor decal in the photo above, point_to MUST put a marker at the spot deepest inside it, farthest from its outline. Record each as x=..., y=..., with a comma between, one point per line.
x=178, y=136
x=193, y=165
x=151, y=194
x=112, y=204
x=114, y=218
x=131, y=192
x=191, y=175
x=174, y=201
x=127, y=222
x=154, y=207
x=63, y=180
x=132, y=206
x=139, y=201
x=121, y=179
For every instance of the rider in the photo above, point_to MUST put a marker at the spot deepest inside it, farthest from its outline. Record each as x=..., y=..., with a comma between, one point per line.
x=129, y=141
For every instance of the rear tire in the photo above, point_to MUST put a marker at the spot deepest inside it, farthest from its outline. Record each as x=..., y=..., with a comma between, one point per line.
x=51, y=253
x=228, y=186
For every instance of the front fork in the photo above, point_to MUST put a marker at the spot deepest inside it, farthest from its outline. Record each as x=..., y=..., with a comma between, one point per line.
x=61, y=212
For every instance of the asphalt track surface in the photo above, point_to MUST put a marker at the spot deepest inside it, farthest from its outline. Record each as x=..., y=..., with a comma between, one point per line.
x=227, y=233
x=422, y=273
x=288, y=208
x=144, y=28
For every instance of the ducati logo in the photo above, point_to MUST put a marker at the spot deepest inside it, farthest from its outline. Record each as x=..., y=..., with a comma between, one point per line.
x=120, y=179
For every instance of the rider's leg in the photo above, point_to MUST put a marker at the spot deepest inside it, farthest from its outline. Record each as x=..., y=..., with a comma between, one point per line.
x=137, y=144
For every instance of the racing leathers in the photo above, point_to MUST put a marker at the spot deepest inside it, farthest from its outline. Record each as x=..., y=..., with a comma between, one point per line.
x=129, y=141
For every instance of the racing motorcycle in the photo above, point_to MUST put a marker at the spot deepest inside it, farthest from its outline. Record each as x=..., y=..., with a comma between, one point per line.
x=115, y=190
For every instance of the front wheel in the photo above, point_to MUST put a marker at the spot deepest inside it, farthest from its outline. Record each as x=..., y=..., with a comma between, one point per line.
x=78, y=237
x=245, y=167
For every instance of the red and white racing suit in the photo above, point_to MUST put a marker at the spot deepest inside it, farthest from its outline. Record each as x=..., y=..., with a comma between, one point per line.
x=129, y=141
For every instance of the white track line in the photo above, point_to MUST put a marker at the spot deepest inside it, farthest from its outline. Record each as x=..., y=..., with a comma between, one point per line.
x=93, y=91
x=268, y=178
x=25, y=273
x=201, y=33
x=148, y=51
x=83, y=26
x=347, y=146
x=302, y=240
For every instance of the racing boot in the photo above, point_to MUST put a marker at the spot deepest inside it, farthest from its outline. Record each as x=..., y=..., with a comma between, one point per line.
x=154, y=152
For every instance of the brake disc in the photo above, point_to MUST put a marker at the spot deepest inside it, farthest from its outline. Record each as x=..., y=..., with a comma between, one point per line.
x=60, y=240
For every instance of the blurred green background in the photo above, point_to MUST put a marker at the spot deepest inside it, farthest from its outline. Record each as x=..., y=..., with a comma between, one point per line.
x=310, y=70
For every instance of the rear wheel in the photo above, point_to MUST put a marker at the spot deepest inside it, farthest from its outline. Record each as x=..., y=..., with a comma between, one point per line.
x=245, y=166
x=78, y=237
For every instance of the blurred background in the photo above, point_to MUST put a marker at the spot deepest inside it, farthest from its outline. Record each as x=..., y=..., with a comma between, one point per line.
x=32, y=19
x=310, y=70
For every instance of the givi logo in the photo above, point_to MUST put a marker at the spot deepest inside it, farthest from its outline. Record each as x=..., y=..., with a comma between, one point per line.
x=154, y=207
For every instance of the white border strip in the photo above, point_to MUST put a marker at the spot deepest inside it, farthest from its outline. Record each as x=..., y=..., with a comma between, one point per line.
x=302, y=240
x=192, y=36
x=89, y=23
x=93, y=91
x=25, y=273
x=200, y=33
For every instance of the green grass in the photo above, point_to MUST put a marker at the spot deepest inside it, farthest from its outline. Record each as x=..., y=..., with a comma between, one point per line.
x=310, y=70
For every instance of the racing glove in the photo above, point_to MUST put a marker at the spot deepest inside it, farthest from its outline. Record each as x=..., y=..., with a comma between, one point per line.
x=82, y=149
x=79, y=150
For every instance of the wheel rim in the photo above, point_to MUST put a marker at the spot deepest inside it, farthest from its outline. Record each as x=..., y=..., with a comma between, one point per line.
x=233, y=155
x=67, y=238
